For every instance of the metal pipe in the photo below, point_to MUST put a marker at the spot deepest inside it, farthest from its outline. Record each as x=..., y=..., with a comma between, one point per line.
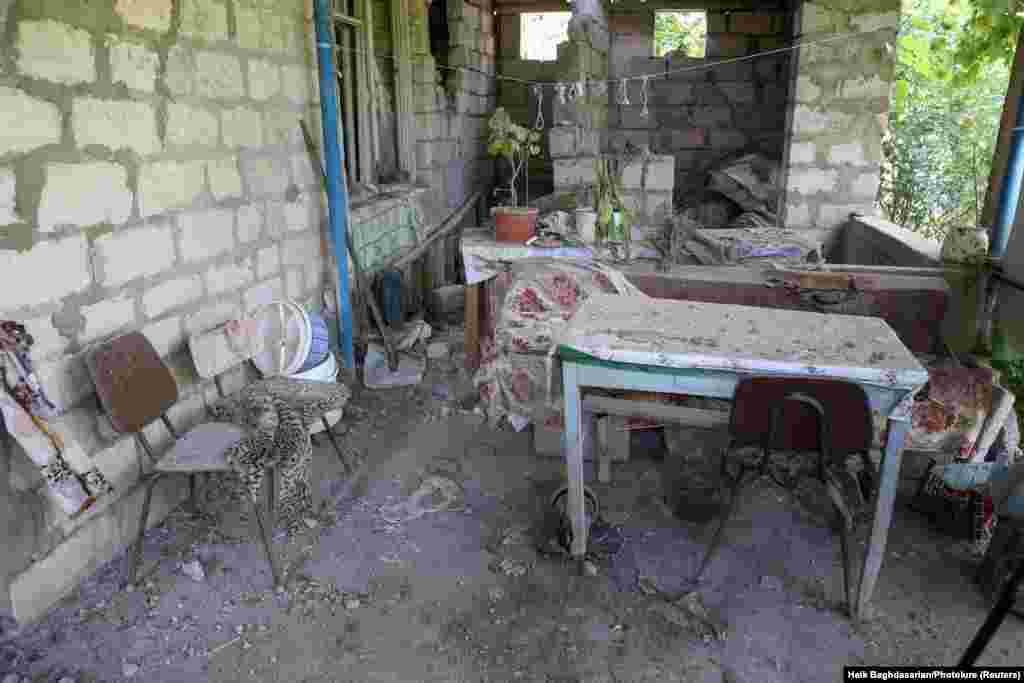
x=1006, y=211
x=337, y=192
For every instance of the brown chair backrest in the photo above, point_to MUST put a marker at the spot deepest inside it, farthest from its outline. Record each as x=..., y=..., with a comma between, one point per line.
x=134, y=385
x=850, y=428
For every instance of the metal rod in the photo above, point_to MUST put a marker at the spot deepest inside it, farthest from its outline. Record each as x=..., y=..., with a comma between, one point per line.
x=1006, y=210
x=337, y=193
x=994, y=620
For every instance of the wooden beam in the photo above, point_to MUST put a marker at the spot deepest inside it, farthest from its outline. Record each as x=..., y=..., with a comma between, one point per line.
x=689, y=417
x=370, y=64
x=404, y=102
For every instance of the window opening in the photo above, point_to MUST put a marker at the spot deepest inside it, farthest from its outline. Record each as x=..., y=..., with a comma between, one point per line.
x=685, y=32
x=540, y=33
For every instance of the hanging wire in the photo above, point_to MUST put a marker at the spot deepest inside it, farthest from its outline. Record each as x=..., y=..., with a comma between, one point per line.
x=538, y=90
x=644, y=112
x=624, y=92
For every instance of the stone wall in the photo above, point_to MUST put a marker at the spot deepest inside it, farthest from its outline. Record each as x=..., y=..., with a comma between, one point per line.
x=839, y=112
x=706, y=114
x=153, y=177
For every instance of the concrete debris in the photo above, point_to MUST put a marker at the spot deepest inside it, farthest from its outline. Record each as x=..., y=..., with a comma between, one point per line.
x=353, y=603
x=11, y=678
x=589, y=568
x=690, y=613
x=66, y=679
x=311, y=523
x=194, y=570
x=512, y=567
x=773, y=583
x=438, y=350
x=130, y=669
x=435, y=494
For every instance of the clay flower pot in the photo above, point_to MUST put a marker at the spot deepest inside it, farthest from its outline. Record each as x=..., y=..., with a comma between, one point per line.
x=514, y=224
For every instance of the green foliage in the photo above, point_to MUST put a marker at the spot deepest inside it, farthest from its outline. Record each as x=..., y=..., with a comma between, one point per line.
x=990, y=35
x=514, y=143
x=943, y=119
x=683, y=31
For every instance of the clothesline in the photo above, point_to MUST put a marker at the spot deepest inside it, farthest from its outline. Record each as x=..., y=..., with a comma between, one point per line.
x=835, y=37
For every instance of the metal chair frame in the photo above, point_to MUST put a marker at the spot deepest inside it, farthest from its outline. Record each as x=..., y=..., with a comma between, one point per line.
x=151, y=478
x=732, y=483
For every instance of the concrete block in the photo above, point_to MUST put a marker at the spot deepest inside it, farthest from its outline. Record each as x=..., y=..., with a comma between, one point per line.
x=170, y=294
x=166, y=335
x=264, y=79
x=229, y=277
x=41, y=586
x=265, y=176
x=263, y=293
x=865, y=185
x=834, y=215
x=806, y=92
x=678, y=93
x=250, y=222
x=115, y=124
x=727, y=139
x=65, y=262
x=712, y=117
x=798, y=215
x=250, y=22
x=574, y=172
x=242, y=127
x=132, y=64
x=106, y=317
x=26, y=122
x=875, y=22
x=165, y=185
x=190, y=125
x=224, y=178
x=802, y=153
x=298, y=84
x=738, y=93
x=281, y=127
x=211, y=316
x=84, y=194
x=181, y=68
x=207, y=19
x=633, y=175
x=124, y=255
x=294, y=285
x=219, y=75
x=66, y=381
x=205, y=234
x=302, y=214
x=812, y=180
x=752, y=22
x=154, y=15
x=49, y=341
x=298, y=251
x=119, y=463
x=268, y=261
x=8, y=213
x=847, y=153
x=55, y=52
x=303, y=174
x=661, y=173
x=807, y=120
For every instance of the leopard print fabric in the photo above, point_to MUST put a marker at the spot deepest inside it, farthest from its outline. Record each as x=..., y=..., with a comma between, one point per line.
x=277, y=414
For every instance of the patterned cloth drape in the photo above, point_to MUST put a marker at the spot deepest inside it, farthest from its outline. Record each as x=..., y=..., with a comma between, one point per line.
x=25, y=409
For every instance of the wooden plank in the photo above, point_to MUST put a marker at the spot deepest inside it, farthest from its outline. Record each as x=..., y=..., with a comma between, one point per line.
x=403, y=87
x=349, y=100
x=370, y=64
x=365, y=111
x=472, y=328
x=691, y=417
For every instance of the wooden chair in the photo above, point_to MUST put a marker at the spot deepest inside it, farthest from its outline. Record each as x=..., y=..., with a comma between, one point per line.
x=830, y=417
x=135, y=388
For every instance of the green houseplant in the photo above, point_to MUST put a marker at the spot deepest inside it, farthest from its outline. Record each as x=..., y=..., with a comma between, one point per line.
x=517, y=144
x=614, y=220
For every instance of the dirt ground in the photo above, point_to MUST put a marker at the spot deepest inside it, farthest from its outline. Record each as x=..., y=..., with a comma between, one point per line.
x=463, y=594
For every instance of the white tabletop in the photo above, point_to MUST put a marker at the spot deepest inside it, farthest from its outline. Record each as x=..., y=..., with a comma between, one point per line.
x=687, y=334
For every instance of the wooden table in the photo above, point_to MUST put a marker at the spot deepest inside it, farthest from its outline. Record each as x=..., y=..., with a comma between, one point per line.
x=703, y=349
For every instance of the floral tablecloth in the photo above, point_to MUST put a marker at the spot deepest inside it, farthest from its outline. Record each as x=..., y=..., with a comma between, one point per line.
x=526, y=304
x=484, y=258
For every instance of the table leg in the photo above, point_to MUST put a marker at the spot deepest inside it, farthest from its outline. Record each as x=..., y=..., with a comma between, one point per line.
x=898, y=429
x=574, y=436
x=472, y=326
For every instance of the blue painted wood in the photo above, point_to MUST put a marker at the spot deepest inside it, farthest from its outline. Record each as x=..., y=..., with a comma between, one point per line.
x=337, y=191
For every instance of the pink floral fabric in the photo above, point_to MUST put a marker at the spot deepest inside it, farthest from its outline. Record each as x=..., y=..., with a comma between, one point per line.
x=524, y=306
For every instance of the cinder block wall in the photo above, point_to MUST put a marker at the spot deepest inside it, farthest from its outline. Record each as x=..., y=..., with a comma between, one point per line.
x=704, y=115
x=839, y=113
x=152, y=177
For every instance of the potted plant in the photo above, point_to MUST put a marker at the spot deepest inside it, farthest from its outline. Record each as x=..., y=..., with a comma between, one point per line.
x=516, y=144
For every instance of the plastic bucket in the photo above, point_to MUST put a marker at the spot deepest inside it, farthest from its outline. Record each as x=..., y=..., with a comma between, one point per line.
x=327, y=371
x=294, y=338
x=317, y=346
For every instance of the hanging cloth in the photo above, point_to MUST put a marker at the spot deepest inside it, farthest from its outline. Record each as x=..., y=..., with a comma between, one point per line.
x=25, y=408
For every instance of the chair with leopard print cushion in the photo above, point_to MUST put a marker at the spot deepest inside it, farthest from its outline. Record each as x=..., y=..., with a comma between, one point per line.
x=136, y=388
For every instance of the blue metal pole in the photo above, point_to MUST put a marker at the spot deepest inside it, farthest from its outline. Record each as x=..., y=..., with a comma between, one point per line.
x=1007, y=209
x=337, y=192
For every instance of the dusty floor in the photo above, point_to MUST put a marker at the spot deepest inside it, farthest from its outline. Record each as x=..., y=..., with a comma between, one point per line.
x=462, y=595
